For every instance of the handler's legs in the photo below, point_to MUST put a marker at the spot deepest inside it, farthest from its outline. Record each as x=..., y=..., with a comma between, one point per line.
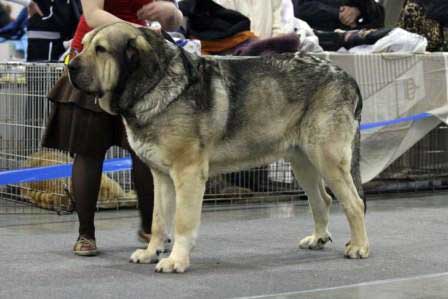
x=86, y=180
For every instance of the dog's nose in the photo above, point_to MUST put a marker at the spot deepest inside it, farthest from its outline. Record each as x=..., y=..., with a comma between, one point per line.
x=73, y=66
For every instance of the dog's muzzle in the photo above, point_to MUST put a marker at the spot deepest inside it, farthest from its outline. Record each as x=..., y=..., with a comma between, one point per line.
x=73, y=68
x=74, y=72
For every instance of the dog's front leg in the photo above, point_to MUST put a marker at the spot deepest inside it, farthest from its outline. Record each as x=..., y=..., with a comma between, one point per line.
x=189, y=184
x=163, y=217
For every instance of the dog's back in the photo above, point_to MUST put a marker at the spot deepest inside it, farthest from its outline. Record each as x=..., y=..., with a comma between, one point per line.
x=266, y=99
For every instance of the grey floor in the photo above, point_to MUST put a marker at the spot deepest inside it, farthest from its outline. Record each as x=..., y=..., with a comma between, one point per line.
x=250, y=252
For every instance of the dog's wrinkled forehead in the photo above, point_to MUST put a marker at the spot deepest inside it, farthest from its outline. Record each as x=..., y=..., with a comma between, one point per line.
x=116, y=34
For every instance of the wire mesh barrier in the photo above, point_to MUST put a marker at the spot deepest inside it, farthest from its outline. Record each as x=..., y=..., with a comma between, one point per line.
x=424, y=167
x=24, y=111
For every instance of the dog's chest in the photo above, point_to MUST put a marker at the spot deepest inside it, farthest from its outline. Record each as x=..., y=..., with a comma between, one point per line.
x=148, y=151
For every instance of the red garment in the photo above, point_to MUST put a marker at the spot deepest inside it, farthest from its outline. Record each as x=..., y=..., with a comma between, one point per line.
x=123, y=9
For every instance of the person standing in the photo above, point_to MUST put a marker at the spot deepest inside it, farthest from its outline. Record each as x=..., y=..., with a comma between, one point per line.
x=79, y=126
x=50, y=23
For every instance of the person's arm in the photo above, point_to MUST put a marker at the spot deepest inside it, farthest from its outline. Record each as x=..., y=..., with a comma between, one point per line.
x=164, y=12
x=371, y=13
x=318, y=14
x=95, y=14
x=33, y=8
x=21, y=2
x=228, y=4
x=287, y=16
x=277, y=21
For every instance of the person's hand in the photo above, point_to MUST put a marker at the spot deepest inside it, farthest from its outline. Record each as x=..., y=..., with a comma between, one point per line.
x=33, y=9
x=349, y=15
x=162, y=11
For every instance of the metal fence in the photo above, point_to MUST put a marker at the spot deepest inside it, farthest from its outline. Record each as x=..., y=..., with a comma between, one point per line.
x=424, y=167
x=24, y=111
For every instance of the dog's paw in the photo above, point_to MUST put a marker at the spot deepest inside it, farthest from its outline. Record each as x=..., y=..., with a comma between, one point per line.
x=143, y=256
x=315, y=241
x=356, y=251
x=169, y=265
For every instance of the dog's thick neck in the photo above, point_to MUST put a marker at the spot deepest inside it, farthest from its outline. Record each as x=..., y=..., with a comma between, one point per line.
x=171, y=83
x=151, y=88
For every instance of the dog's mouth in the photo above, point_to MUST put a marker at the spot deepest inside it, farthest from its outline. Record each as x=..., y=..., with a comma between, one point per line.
x=107, y=104
x=98, y=94
x=74, y=83
x=81, y=86
x=94, y=93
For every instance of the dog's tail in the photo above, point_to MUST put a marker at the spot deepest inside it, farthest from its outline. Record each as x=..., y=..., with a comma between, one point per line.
x=356, y=149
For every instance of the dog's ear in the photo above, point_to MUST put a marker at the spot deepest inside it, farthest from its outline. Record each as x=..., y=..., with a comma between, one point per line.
x=150, y=33
x=134, y=49
x=154, y=38
x=141, y=53
x=88, y=37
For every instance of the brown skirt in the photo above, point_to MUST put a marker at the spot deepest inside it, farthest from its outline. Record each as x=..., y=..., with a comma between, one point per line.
x=78, y=125
x=82, y=131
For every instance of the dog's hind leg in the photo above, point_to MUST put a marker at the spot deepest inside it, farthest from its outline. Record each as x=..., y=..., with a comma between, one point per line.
x=334, y=165
x=189, y=181
x=163, y=217
x=326, y=135
x=311, y=182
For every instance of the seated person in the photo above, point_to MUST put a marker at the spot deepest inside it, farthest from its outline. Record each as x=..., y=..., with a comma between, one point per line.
x=226, y=26
x=265, y=16
x=269, y=23
x=328, y=15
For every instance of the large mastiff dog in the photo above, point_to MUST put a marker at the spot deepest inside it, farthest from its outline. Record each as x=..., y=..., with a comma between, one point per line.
x=190, y=118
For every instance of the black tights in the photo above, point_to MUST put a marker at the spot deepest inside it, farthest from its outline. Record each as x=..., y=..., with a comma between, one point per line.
x=86, y=179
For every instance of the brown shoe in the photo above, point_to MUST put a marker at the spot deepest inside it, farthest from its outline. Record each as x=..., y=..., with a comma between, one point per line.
x=85, y=247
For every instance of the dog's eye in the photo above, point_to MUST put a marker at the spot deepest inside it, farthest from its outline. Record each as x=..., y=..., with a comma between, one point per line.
x=100, y=49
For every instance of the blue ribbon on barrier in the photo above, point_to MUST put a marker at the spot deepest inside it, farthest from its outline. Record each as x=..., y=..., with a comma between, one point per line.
x=64, y=170
x=386, y=123
x=56, y=171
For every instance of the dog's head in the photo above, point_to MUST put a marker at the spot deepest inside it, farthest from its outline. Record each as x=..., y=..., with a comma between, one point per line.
x=110, y=56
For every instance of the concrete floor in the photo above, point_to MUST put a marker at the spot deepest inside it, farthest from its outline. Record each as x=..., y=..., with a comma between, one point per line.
x=240, y=253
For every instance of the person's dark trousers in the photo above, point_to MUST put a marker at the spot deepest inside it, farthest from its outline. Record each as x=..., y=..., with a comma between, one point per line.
x=86, y=179
x=39, y=51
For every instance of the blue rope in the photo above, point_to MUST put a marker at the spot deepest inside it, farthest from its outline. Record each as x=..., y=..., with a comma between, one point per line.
x=24, y=175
